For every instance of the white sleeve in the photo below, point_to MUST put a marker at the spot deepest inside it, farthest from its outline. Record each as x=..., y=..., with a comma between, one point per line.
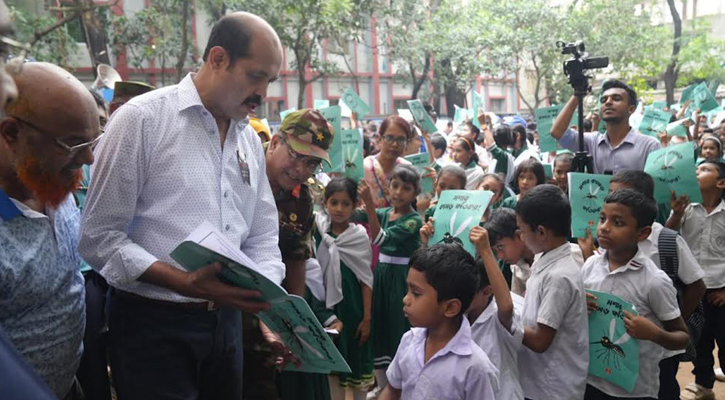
x=481, y=383
x=662, y=297
x=688, y=270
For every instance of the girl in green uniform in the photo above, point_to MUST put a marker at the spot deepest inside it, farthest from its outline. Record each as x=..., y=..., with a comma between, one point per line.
x=345, y=255
x=396, y=230
x=528, y=174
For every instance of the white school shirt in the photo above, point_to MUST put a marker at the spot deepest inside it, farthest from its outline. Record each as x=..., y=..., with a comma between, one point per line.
x=653, y=296
x=521, y=271
x=555, y=298
x=705, y=234
x=459, y=371
x=160, y=172
x=501, y=346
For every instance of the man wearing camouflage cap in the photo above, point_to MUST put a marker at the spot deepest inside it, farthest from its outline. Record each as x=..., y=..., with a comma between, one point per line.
x=292, y=156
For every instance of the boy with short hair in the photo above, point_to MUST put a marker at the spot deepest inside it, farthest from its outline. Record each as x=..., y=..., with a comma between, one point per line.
x=437, y=358
x=562, y=166
x=703, y=227
x=495, y=320
x=688, y=275
x=554, y=360
x=624, y=271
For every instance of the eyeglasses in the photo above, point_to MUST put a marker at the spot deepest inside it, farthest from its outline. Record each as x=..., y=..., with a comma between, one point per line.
x=15, y=65
x=391, y=139
x=72, y=151
x=312, y=164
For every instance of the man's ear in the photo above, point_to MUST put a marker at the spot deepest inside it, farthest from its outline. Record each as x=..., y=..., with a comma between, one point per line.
x=9, y=131
x=453, y=308
x=644, y=233
x=720, y=184
x=218, y=58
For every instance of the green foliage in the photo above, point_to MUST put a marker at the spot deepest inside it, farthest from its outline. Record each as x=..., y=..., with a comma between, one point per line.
x=702, y=57
x=58, y=47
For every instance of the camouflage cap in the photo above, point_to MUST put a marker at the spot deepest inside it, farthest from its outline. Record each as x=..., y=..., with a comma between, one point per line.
x=131, y=89
x=308, y=133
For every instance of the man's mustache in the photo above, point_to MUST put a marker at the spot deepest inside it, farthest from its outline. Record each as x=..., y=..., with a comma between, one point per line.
x=254, y=99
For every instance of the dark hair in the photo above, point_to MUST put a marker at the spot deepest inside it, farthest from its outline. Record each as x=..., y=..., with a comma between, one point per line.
x=502, y=136
x=587, y=125
x=396, y=120
x=613, y=83
x=519, y=134
x=100, y=101
x=449, y=124
x=531, y=126
x=457, y=172
x=438, y=142
x=483, y=280
x=532, y=165
x=557, y=216
x=231, y=35
x=469, y=145
x=719, y=164
x=450, y=269
x=501, y=224
x=367, y=146
x=475, y=132
x=563, y=157
x=643, y=208
x=498, y=179
x=640, y=181
x=341, y=184
x=407, y=174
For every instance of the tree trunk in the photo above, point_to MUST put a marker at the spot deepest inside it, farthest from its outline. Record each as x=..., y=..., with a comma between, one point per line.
x=672, y=68
x=96, y=38
x=418, y=82
x=303, y=85
x=184, y=40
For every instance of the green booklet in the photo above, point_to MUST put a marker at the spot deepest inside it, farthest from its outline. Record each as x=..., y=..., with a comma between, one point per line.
x=333, y=115
x=703, y=98
x=284, y=113
x=660, y=104
x=421, y=161
x=673, y=169
x=477, y=104
x=548, y=170
x=290, y=316
x=352, y=150
x=421, y=116
x=586, y=195
x=613, y=354
x=356, y=104
x=687, y=94
x=654, y=121
x=457, y=212
x=460, y=115
x=545, y=117
x=677, y=128
x=321, y=103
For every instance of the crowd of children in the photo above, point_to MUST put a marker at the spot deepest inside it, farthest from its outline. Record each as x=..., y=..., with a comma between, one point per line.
x=423, y=320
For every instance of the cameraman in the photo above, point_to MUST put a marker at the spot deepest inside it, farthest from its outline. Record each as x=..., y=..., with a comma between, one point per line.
x=621, y=147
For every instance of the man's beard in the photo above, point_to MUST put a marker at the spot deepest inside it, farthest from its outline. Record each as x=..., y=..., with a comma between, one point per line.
x=48, y=189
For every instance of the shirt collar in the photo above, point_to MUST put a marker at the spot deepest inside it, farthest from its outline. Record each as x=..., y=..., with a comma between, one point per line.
x=635, y=263
x=720, y=207
x=551, y=258
x=487, y=313
x=8, y=210
x=459, y=344
x=627, y=139
x=188, y=95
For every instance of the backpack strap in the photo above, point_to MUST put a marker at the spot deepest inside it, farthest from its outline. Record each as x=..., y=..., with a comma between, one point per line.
x=667, y=247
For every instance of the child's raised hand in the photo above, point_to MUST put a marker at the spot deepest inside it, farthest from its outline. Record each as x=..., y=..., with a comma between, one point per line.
x=363, y=190
x=426, y=232
x=591, y=302
x=430, y=172
x=587, y=244
x=678, y=204
x=479, y=238
x=640, y=327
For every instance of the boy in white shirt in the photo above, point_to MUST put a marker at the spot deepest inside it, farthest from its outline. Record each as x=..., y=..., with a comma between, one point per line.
x=703, y=227
x=624, y=271
x=688, y=278
x=495, y=324
x=437, y=359
x=554, y=360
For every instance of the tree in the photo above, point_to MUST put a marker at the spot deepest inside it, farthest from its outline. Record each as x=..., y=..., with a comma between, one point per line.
x=672, y=68
x=95, y=34
x=157, y=34
x=304, y=27
x=54, y=46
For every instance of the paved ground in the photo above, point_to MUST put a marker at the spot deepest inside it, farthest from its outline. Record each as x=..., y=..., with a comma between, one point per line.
x=684, y=377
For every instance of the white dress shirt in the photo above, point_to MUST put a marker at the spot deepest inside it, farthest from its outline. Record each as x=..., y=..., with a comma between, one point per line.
x=653, y=296
x=501, y=346
x=555, y=298
x=705, y=234
x=459, y=371
x=161, y=171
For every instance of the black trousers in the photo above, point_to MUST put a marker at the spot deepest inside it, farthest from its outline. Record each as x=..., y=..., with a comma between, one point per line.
x=714, y=330
x=93, y=370
x=163, y=352
x=669, y=387
x=593, y=393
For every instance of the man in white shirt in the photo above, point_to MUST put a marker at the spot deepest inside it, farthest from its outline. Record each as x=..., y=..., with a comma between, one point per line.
x=172, y=159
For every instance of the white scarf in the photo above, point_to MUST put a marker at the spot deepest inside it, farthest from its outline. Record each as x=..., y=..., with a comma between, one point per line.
x=352, y=247
x=313, y=278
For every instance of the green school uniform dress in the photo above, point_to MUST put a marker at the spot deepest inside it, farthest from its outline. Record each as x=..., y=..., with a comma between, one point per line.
x=509, y=202
x=306, y=385
x=397, y=241
x=350, y=311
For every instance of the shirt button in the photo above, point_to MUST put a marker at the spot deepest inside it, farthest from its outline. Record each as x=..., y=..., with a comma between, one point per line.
x=226, y=194
x=203, y=113
x=211, y=132
x=226, y=228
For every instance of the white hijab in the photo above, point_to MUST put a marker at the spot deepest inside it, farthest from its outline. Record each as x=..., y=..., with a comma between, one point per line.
x=352, y=247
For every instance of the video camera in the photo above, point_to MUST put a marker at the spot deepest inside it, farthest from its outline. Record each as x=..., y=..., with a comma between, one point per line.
x=579, y=62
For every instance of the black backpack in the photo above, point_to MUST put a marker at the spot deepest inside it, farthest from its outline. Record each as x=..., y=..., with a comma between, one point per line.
x=669, y=261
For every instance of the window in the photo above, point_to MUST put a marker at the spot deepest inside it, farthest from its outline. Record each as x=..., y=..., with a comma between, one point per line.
x=498, y=105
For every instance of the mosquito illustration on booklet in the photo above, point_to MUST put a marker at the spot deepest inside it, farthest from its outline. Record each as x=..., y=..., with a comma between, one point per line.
x=289, y=316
